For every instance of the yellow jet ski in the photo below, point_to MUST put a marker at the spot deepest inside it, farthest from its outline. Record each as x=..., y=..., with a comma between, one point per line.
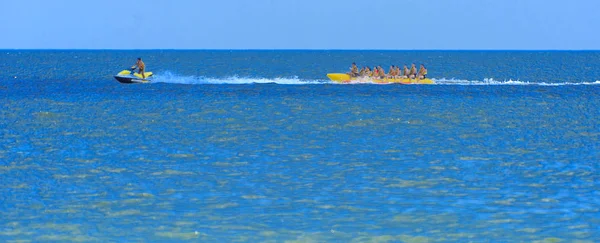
x=127, y=77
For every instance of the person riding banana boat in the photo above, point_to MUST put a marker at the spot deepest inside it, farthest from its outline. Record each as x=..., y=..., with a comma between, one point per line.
x=353, y=70
x=375, y=72
x=392, y=72
x=413, y=71
x=397, y=72
x=422, y=72
x=406, y=72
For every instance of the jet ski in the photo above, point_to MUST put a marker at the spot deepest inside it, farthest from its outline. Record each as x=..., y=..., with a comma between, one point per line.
x=127, y=77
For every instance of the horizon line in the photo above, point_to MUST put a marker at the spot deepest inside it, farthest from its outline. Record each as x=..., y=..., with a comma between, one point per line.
x=273, y=49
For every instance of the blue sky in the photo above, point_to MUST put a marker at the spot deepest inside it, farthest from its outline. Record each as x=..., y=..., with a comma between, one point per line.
x=301, y=24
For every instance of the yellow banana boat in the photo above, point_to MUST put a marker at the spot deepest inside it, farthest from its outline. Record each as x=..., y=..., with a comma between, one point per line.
x=345, y=78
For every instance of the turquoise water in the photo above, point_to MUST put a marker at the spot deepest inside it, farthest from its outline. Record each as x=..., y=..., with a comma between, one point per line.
x=258, y=146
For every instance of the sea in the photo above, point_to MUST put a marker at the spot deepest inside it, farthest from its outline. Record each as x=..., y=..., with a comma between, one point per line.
x=259, y=146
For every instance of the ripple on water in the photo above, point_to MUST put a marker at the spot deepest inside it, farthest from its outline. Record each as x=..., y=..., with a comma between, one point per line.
x=438, y=168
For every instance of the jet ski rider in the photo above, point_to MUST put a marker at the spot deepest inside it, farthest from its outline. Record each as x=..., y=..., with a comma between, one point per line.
x=141, y=66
